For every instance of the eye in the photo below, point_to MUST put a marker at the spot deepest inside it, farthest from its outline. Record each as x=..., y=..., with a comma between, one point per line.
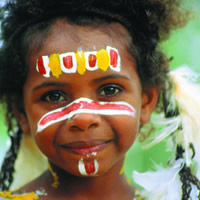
x=53, y=96
x=110, y=90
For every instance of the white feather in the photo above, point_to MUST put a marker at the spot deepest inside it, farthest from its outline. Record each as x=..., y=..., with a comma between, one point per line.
x=164, y=184
x=187, y=97
x=169, y=126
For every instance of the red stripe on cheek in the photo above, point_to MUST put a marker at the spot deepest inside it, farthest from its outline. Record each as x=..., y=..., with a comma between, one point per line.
x=83, y=105
x=56, y=115
x=97, y=106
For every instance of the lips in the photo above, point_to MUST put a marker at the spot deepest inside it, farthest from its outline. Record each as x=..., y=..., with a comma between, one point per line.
x=85, y=148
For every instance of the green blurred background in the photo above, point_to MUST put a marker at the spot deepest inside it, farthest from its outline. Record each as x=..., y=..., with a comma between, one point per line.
x=184, y=46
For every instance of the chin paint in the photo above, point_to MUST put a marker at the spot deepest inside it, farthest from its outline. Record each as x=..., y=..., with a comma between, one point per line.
x=79, y=61
x=85, y=105
x=87, y=168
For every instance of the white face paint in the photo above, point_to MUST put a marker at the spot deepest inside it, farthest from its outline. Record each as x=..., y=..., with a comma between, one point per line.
x=91, y=63
x=85, y=105
x=42, y=66
x=88, y=168
x=79, y=61
x=68, y=62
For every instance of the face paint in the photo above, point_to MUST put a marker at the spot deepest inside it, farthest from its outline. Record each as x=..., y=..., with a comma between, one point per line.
x=88, y=168
x=91, y=65
x=114, y=59
x=54, y=65
x=72, y=62
x=42, y=66
x=81, y=65
x=85, y=105
x=102, y=59
x=68, y=62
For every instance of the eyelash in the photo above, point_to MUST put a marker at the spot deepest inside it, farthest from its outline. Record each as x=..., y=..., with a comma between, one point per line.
x=113, y=90
x=57, y=95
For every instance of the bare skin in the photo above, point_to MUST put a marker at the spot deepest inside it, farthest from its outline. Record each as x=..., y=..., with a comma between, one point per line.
x=100, y=188
x=116, y=133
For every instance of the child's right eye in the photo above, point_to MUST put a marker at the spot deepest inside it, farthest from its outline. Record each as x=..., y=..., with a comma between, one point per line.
x=53, y=96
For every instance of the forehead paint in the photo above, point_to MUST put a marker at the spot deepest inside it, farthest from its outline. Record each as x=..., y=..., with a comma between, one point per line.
x=80, y=61
x=81, y=64
x=54, y=65
x=88, y=168
x=85, y=105
x=68, y=62
x=102, y=59
x=42, y=66
x=91, y=65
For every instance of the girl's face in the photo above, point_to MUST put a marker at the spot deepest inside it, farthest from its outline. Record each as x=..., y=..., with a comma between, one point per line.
x=85, y=144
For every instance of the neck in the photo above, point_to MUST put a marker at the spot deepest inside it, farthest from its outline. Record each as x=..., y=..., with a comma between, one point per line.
x=110, y=185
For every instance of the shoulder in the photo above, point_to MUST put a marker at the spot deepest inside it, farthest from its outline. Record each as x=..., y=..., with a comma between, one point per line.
x=30, y=191
x=8, y=195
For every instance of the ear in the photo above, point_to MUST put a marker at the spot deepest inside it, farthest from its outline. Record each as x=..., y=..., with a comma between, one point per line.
x=22, y=119
x=149, y=102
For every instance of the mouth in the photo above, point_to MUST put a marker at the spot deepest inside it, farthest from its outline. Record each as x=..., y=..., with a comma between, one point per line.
x=85, y=147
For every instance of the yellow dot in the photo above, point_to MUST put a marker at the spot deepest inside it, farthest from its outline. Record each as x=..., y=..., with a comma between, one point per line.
x=54, y=65
x=81, y=65
x=102, y=59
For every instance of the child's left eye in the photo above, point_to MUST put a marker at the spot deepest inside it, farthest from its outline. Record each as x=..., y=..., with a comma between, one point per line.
x=53, y=96
x=110, y=90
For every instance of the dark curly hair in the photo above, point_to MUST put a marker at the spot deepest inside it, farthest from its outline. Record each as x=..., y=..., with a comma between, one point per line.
x=148, y=22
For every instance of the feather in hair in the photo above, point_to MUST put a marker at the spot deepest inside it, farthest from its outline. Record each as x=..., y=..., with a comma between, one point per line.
x=163, y=184
x=184, y=126
x=187, y=97
x=184, y=97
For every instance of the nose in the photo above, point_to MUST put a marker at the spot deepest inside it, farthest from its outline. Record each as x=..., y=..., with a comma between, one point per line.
x=83, y=122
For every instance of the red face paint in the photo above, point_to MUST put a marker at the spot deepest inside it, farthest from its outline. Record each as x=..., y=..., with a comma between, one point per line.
x=84, y=105
x=90, y=167
x=113, y=57
x=92, y=60
x=67, y=61
x=41, y=67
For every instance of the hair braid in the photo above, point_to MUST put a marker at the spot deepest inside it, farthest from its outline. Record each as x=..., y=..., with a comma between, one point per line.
x=186, y=177
x=7, y=169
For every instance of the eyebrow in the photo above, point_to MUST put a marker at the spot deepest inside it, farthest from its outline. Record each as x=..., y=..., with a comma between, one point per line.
x=49, y=84
x=97, y=80
x=112, y=76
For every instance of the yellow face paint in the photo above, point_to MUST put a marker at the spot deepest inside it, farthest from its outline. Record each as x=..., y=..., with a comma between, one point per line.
x=102, y=59
x=55, y=183
x=80, y=61
x=122, y=170
x=81, y=65
x=54, y=65
x=9, y=195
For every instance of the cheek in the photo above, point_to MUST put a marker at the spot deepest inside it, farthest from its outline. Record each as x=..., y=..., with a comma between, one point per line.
x=34, y=114
x=46, y=142
x=125, y=129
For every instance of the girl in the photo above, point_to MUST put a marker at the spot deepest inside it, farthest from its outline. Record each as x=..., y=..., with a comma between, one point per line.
x=82, y=78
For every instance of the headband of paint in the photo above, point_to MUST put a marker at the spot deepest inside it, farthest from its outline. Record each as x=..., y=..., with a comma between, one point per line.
x=72, y=62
